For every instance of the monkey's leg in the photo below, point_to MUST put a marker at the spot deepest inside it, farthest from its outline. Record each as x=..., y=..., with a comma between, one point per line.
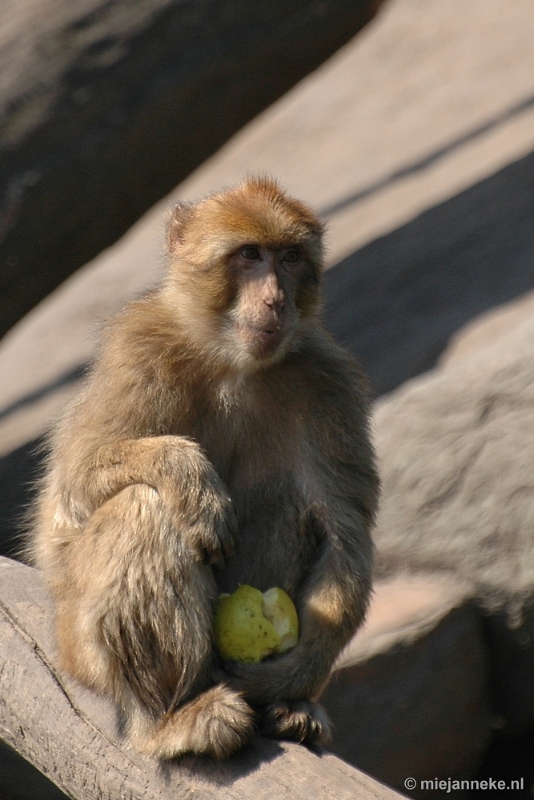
x=134, y=621
x=217, y=722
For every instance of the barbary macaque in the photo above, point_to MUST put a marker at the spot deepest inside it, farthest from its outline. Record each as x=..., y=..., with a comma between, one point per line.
x=221, y=438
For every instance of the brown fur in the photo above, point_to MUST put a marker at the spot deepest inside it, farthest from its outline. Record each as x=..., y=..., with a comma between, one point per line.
x=221, y=438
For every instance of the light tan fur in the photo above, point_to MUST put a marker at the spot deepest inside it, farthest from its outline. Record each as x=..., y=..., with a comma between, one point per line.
x=220, y=438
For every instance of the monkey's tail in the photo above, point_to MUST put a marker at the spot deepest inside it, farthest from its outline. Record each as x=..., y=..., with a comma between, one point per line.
x=216, y=722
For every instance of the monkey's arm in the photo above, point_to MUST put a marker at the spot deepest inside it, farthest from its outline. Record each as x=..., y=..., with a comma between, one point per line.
x=331, y=605
x=175, y=467
x=117, y=434
x=172, y=465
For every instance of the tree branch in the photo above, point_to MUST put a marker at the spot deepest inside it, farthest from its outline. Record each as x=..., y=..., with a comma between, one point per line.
x=70, y=734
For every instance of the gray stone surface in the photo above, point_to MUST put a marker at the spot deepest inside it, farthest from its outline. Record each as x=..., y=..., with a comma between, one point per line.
x=417, y=711
x=106, y=106
x=455, y=449
x=398, y=300
x=411, y=697
x=463, y=504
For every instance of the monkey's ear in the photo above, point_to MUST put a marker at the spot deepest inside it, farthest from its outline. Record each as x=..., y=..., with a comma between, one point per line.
x=180, y=215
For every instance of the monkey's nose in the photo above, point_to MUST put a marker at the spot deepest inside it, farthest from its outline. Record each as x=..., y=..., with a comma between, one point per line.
x=276, y=304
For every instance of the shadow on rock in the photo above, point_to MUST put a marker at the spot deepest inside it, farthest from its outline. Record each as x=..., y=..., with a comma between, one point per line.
x=396, y=302
x=19, y=471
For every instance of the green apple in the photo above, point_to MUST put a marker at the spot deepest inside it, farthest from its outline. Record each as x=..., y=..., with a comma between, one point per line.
x=278, y=608
x=250, y=625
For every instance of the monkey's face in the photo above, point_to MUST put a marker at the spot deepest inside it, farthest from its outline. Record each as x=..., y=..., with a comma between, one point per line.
x=264, y=314
x=247, y=264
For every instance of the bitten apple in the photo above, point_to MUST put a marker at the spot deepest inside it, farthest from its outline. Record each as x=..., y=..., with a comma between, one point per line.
x=250, y=625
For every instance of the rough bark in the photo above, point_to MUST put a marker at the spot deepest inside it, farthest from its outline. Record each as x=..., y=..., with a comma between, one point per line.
x=70, y=734
x=106, y=106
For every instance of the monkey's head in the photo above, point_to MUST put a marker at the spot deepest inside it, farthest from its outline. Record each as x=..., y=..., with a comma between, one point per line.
x=245, y=271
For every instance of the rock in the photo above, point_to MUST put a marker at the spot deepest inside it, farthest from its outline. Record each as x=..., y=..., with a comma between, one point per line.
x=399, y=300
x=511, y=652
x=486, y=329
x=432, y=675
x=456, y=453
x=510, y=641
x=403, y=610
x=455, y=448
x=106, y=107
x=411, y=699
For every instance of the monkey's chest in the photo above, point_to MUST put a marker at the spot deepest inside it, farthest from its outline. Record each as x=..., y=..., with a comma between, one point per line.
x=259, y=456
x=275, y=546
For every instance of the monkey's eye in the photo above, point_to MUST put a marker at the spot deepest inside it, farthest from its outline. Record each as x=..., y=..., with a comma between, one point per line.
x=292, y=255
x=250, y=252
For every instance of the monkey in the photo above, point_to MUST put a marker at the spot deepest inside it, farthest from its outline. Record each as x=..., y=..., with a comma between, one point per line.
x=221, y=438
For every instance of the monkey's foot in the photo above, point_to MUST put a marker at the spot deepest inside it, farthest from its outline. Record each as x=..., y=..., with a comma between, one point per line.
x=217, y=722
x=299, y=721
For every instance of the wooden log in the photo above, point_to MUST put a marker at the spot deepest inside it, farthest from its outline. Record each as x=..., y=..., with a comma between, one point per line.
x=70, y=734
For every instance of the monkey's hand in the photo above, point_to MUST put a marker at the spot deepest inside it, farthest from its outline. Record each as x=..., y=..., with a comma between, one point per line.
x=329, y=616
x=201, y=507
x=210, y=526
x=291, y=676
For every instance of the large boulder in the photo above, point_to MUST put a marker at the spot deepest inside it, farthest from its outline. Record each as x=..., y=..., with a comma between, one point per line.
x=456, y=448
x=447, y=655
x=107, y=106
x=456, y=451
x=410, y=699
x=399, y=299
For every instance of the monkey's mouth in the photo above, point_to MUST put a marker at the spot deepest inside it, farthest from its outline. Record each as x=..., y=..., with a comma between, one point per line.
x=264, y=338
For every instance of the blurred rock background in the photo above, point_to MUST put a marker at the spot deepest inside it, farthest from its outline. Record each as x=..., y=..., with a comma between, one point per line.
x=415, y=141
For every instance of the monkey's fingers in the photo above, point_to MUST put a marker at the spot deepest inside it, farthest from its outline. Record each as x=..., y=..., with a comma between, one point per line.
x=212, y=534
x=297, y=720
x=220, y=544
